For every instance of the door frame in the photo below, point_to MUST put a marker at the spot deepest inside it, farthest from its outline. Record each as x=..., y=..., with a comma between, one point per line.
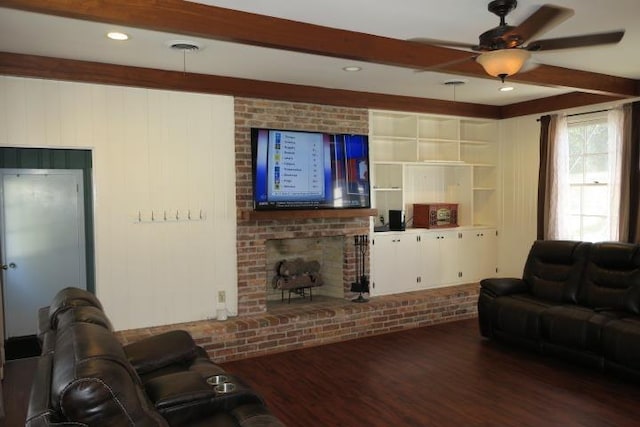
x=13, y=157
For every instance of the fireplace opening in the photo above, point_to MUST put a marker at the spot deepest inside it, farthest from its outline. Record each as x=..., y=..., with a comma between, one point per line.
x=304, y=269
x=297, y=277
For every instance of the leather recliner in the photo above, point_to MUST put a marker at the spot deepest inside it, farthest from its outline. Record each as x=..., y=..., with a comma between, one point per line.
x=86, y=377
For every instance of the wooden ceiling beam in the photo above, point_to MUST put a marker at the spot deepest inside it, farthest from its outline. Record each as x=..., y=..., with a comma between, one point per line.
x=555, y=103
x=32, y=66
x=187, y=18
x=20, y=65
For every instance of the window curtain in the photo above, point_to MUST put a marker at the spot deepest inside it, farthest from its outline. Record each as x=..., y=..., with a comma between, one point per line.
x=629, y=223
x=553, y=187
x=546, y=133
x=616, y=136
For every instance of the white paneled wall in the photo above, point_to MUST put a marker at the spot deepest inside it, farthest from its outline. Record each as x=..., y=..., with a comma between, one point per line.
x=157, y=152
x=519, y=160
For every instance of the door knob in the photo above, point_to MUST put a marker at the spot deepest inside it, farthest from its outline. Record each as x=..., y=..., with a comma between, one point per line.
x=6, y=267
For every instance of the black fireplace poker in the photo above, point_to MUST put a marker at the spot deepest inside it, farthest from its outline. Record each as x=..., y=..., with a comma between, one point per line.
x=361, y=285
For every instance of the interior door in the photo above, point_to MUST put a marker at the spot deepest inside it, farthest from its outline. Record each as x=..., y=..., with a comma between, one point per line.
x=43, y=248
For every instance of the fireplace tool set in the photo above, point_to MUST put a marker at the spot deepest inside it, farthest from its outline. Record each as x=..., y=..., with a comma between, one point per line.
x=361, y=285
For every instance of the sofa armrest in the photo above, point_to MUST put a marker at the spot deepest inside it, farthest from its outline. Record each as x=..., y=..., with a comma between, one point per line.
x=504, y=286
x=179, y=390
x=162, y=350
x=183, y=397
x=39, y=412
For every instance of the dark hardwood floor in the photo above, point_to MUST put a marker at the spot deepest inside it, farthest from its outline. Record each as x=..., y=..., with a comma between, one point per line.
x=442, y=375
x=18, y=375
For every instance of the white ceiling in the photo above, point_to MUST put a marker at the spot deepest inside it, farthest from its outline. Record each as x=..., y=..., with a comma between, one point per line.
x=454, y=20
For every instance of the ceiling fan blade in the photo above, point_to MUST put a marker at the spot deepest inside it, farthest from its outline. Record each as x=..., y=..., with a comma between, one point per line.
x=541, y=21
x=529, y=66
x=576, y=41
x=444, y=65
x=438, y=42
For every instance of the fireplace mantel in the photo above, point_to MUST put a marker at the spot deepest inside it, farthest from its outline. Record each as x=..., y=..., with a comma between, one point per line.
x=305, y=214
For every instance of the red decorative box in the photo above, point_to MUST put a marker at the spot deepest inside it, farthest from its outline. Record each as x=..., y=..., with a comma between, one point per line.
x=435, y=215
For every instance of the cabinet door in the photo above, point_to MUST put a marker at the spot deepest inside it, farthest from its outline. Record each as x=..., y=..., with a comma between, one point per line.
x=407, y=264
x=382, y=250
x=449, y=257
x=394, y=263
x=478, y=253
x=489, y=253
x=438, y=258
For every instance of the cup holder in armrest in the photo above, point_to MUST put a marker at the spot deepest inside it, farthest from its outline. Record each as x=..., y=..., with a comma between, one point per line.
x=222, y=384
x=217, y=379
x=225, y=388
x=231, y=391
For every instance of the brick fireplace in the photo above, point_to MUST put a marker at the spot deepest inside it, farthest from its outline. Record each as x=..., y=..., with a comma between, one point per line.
x=258, y=330
x=253, y=234
x=255, y=331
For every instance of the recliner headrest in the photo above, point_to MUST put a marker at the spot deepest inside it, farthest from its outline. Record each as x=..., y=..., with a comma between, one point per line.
x=83, y=314
x=556, y=251
x=615, y=255
x=68, y=298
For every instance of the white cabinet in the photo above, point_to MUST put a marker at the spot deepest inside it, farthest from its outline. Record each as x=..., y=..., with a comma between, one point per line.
x=394, y=263
x=418, y=259
x=440, y=263
x=422, y=158
x=478, y=248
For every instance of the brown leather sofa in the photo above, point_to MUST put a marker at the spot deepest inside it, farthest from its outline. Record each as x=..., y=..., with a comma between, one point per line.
x=85, y=377
x=576, y=300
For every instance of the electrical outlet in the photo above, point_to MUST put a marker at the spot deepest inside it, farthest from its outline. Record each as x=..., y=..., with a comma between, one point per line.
x=381, y=219
x=221, y=296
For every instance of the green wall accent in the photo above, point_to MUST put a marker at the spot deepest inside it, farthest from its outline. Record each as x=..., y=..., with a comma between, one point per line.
x=44, y=158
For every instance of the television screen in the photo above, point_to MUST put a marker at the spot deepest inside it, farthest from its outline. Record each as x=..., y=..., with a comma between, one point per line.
x=309, y=170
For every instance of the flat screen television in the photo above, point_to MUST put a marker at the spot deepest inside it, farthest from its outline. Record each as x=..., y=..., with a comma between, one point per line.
x=309, y=170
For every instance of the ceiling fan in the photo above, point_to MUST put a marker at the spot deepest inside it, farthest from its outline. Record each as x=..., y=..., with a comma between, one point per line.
x=502, y=51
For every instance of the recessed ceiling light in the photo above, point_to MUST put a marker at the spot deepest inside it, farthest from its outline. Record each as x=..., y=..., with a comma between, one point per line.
x=351, y=68
x=116, y=35
x=185, y=45
x=455, y=82
x=506, y=88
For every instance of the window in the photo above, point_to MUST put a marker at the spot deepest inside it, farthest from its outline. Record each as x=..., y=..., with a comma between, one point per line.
x=585, y=182
x=589, y=179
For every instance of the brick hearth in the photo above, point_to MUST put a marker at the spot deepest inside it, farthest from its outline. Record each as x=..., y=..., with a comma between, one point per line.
x=292, y=327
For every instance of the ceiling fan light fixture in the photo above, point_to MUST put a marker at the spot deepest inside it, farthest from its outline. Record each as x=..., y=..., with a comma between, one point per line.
x=503, y=63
